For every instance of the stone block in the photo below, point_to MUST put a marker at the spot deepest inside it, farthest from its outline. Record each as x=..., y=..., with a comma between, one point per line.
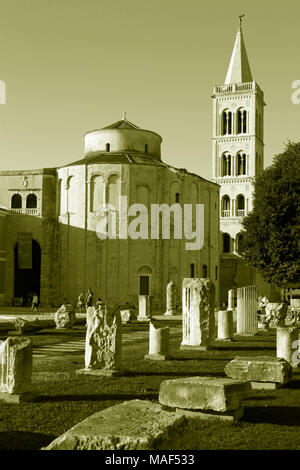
x=65, y=316
x=132, y=425
x=277, y=313
x=127, y=315
x=15, y=365
x=259, y=369
x=230, y=416
x=203, y=393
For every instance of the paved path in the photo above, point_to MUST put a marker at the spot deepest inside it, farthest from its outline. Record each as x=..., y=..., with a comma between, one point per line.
x=71, y=347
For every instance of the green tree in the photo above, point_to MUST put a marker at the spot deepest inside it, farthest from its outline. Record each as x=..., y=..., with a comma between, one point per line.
x=271, y=232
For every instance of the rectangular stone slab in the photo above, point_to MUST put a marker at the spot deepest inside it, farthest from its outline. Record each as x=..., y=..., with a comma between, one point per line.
x=259, y=369
x=203, y=393
x=230, y=416
x=132, y=425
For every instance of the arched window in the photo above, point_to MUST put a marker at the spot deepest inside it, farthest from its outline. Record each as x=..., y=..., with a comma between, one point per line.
x=192, y=270
x=238, y=242
x=226, y=122
x=97, y=192
x=241, y=121
x=226, y=243
x=31, y=201
x=226, y=206
x=241, y=164
x=58, y=197
x=204, y=270
x=72, y=195
x=177, y=198
x=113, y=191
x=16, y=201
x=146, y=149
x=216, y=273
x=107, y=147
x=240, y=206
x=226, y=164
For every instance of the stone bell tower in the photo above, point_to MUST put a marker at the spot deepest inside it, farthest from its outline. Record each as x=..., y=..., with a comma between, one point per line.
x=238, y=152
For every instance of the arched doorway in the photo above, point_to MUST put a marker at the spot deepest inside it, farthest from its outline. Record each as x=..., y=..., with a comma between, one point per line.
x=28, y=281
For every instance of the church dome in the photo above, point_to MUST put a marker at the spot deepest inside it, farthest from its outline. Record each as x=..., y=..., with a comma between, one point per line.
x=122, y=136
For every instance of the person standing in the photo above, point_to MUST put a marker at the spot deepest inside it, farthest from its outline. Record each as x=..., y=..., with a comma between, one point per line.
x=35, y=303
x=81, y=302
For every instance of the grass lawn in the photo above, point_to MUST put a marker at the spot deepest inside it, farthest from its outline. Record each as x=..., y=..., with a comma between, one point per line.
x=271, y=418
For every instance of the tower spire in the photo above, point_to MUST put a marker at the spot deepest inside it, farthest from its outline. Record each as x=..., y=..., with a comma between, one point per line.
x=239, y=68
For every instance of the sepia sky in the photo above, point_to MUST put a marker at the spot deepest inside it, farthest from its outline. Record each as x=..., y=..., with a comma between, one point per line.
x=71, y=66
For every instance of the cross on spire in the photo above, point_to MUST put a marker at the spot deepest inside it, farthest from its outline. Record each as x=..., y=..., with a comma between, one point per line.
x=241, y=19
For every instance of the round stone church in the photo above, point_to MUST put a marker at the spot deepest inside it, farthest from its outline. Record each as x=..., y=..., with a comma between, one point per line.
x=138, y=253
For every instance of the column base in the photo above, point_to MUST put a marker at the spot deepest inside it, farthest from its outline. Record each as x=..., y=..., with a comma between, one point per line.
x=224, y=339
x=196, y=348
x=101, y=372
x=157, y=357
x=266, y=385
x=170, y=312
x=18, y=397
x=145, y=319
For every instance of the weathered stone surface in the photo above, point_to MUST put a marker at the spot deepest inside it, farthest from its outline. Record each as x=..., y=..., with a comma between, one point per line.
x=158, y=339
x=145, y=308
x=158, y=343
x=15, y=365
x=171, y=299
x=103, y=345
x=203, y=393
x=127, y=315
x=65, y=316
x=277, y=313
x=246, y=310
x=132, y=425
x=23, y=326
x=229, y=416
x=231, y=296
x=259, y=369
x=287, y=343
x=198, y=327
x=225, y=324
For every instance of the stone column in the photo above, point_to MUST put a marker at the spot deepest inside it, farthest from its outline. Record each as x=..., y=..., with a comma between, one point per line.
x=225, y=325
x=198, y=319
x=231, y=296
x=144, y=308
x=287, y=345
x=247, y=322
x=171, y=299
x=158, y=343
